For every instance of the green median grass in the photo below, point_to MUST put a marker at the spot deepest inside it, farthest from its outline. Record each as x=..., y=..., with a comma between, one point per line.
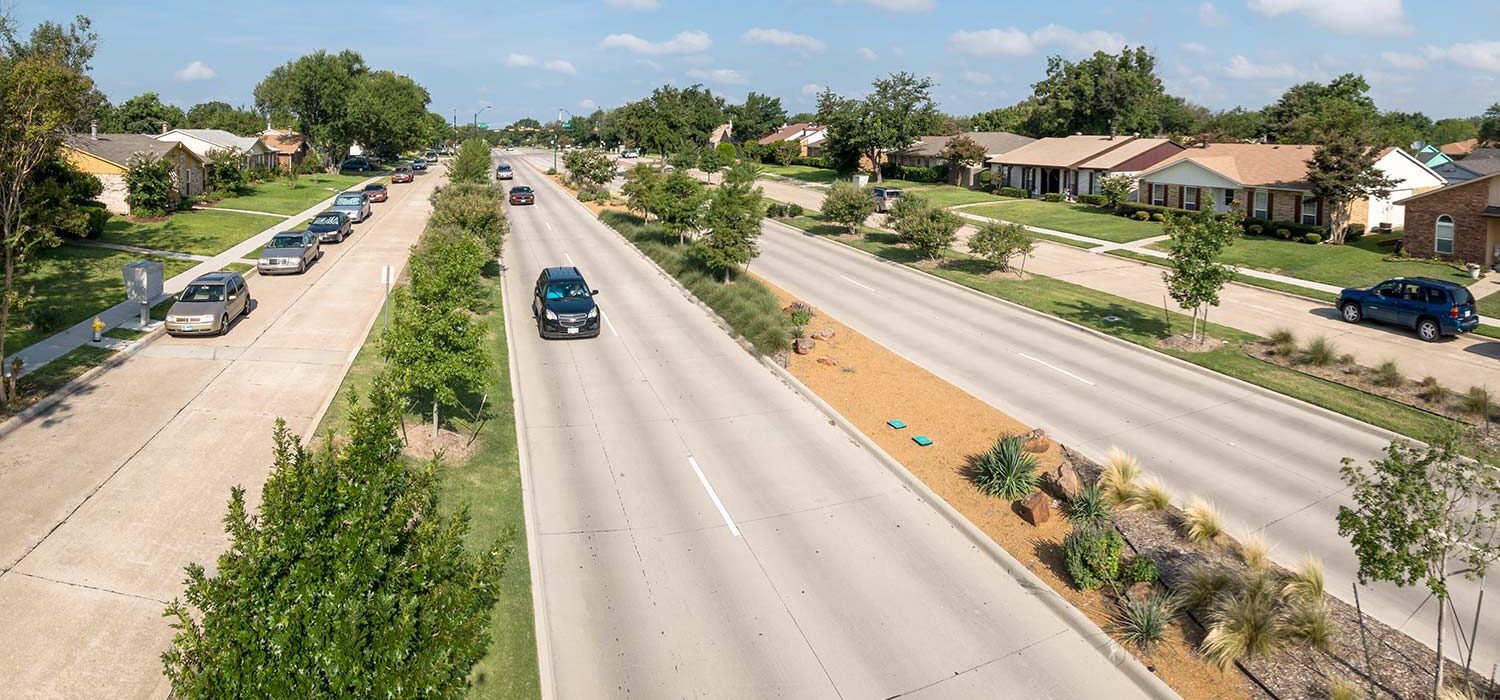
x=1358, y=264
x=1082, y=219
x=280, y=197
x=1145, y=325
x=196, y=232
x=71, y=283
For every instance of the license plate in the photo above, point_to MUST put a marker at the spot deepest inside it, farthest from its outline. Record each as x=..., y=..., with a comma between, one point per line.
x=187, y=327
x=571, y=331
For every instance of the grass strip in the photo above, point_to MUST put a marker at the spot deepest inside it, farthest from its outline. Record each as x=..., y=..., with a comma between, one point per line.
x=34, y=387
x=1293, y=289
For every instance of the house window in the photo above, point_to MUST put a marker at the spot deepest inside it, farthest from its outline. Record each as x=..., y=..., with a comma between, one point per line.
x=1442, y=242
x=1262, y=205
x=1228, y=198
x=1158, y=194
x=1310, y=210
x=1190, y=198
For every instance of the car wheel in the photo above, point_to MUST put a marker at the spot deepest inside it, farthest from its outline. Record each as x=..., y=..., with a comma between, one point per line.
x=1428, y=330
x=302, y=266
x=1352, y=313
x=248, y=304
x=224, y=324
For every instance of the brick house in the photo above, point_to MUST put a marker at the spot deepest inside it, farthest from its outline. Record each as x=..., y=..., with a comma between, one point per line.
x=1075, y=164
x=107, y=157
x=808, y=137
x=927, y=152
x=289, y=146
x=1460, y=222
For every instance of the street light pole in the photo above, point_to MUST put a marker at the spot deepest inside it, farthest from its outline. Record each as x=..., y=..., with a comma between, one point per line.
x=476, y=116
x=555, y=135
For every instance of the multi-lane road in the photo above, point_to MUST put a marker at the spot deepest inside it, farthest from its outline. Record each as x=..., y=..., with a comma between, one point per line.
x=700, y=530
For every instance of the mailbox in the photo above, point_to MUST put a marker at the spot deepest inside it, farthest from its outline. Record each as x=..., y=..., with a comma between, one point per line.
x=143, y=281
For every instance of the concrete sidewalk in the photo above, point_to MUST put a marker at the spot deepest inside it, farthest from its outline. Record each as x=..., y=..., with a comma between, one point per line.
x=41, y=352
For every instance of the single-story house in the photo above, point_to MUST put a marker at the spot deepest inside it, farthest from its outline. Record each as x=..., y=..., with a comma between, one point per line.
x=107, y=157
x=256, y=154
x=926, y=152
x=1459, y=149
x=1458, y=222
x=290, y=146
x=1074, y=165
x=1454, y=171
x=1269, y=181
x=808, y=137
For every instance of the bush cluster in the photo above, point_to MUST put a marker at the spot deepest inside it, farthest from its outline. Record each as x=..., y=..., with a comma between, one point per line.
x=1292, y=230
x=1097, y=200
x=1014, y=192
x=1092, y=556
x=1052, y=197
x=915, y=174
x=779, y=210
x=1133, y=209
x=1354, y=232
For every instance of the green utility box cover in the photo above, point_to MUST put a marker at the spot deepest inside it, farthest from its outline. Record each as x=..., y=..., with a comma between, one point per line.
x=894, y=423
x=922, y=440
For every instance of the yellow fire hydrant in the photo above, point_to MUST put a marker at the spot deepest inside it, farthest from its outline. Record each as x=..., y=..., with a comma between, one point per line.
x=98, y=329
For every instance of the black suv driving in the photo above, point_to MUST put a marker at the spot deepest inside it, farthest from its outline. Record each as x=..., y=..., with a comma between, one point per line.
x=563, y=304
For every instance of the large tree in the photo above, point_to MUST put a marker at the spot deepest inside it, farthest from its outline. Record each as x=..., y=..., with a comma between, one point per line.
x=897, y=111
x=316, y=89
x=1451, y=130
x=732, y=221
x=144, y=114
x=44, y=89
x=678, y=203
x=758, y=116
x=1307, y=109
x=387, y=113
x=220, y=115
x=1103, y=92
x=1015, y=119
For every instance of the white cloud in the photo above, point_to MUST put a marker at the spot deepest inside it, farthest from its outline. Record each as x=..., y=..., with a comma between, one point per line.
x=519, y=60
x=1210, y=16
x=1014, y=42
x=811, y=89
x=899, y=5
x=777, y=37
x=648, y=63
x=867, y=54
x=1354, y=17
x=1404, y=61
x=683, y=42
x=1484, y=55
x=557, y=65
x=1245, y=69
x=586, y=104
x=727, y=76
x=194, y=71
x=974, y=77
x=635, y=5
x=1195, y=47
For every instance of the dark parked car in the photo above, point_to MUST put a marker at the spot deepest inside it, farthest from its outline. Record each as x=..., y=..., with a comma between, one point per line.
x=209, y=304
x=357, y=164
x=1433, y=308
x=419, y=164
x=331, y=226
x=376, y=191
x=564, y=305
x=521, y=194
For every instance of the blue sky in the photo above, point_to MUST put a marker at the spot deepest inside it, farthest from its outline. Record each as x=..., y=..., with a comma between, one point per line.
x=529, y=58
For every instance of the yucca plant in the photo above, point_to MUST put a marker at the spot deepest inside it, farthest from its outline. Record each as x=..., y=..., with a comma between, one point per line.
x=1389, y=375
x=1150, y=495
x=1305, y=581
x=1321, y=352
x=1255, y=551
x=1202, y=524
x=1006, y=470
x=1142, y=621
x=1118, y=480
x=1088, y=509
x=1244, y=622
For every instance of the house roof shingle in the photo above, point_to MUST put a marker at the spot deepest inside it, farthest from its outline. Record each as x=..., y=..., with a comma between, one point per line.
x=1112, y=158
x=993, y=142
x=1280, y=166
x=1459, y=148
x=788, y=132
x=1464, y=183
x=119, y=148
x=1064, y=151
x=284, y=143
x=220, y=138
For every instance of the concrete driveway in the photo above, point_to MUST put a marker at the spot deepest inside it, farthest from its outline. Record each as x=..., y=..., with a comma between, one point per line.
x=107, y=495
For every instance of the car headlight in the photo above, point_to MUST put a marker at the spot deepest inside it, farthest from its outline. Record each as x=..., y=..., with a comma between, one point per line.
x=205, y=319
x=594, y=312
x=551, y=315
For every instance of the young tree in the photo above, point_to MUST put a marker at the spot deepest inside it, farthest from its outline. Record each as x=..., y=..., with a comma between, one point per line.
x=475, y=209
x=590, y=168
x=1000, y=243
x=732, y=221
x=1116, y=188
x=784, y=152
x=1196, y=276
x=642, y=184
x=148, y=184
x=1422, y=515
x=848, y=205
x=226, y=171
x=962, y=153
x=446, y=264
x=710, y=161
x=1343, y=170
x=348, y=583
x=472, y=165
x=929, y=230
x=727, y=154
x=679, y=204
x=435, y=352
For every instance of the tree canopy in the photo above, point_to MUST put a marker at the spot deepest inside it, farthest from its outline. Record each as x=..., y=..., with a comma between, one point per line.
x=898, y=109
x=1105, y=91
x=220, y=115
x=758, y=116
x=316, y=90
x=143, y=114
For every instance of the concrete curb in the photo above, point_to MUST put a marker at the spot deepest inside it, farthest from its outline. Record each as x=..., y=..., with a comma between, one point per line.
x=1117, y=656
x=1204, y=371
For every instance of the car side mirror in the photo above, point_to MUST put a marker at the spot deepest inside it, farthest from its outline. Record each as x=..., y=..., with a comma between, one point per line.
x=593, y=292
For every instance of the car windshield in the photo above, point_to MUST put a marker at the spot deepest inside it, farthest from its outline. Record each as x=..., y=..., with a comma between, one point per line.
x=286, y=241
x=503, y=168
x=568, y=290
x=402, y=169
x=328, y=220
x=348, y=200
x=202, y=292
x=520, y=190
x=374, y=188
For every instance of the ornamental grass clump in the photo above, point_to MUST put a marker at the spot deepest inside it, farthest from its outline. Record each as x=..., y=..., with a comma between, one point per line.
x=1118, y=480
x=1006, y=470
x=1258, y=612
x=1202, y=524
x=1321, y=352
x=1151, y=495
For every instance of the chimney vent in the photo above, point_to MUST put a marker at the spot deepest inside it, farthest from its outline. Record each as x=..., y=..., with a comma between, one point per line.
x=94, y=130
x=164, y=126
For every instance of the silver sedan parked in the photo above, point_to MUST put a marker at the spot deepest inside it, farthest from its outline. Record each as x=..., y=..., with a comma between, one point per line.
x=209, y=305
x=289, y=251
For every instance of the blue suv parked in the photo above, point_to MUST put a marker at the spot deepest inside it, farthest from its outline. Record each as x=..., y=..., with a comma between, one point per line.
x=1433, y=308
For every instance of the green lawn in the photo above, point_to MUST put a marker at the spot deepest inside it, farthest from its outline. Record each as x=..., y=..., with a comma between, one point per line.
x=200, y=232
x=804, y=173
x=1359, y=264
x=1082, y=219
x=1314, y=294
x=72, y=283
x=1489, y=307
x=488, y=484
x=277, y=197
x=944, y=195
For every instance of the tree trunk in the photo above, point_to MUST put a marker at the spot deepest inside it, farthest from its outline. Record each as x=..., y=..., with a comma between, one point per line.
x=875, y=163
x=1338, y=215
x=434, y=421
x=1437, y=683
x=726, y=275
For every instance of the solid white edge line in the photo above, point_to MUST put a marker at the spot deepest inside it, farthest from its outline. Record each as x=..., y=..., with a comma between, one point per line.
x=570, y=260
x=714, y=495
x=609, y=323
x=1056, y=368
x=857, y=284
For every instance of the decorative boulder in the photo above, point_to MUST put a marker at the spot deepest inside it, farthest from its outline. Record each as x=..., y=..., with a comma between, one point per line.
x=829, y=360
x=823, y=334
x=1036, y=441
x=803, y=346
x=1063, y=481
x=1036, y=508
x=797, y=306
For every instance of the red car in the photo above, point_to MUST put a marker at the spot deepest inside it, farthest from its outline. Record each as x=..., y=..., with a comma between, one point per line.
x=522, y=195
x=403, y=174
x=376, y=191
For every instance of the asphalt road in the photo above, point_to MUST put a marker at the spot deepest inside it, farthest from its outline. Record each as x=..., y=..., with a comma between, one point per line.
x=1269, y=463
x=106, y=496
x=700, y=530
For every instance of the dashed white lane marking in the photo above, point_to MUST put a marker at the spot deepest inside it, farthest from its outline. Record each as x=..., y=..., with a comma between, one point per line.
x=714, y=496
x=1056, y=368
x=857, y=283
x=548, y=224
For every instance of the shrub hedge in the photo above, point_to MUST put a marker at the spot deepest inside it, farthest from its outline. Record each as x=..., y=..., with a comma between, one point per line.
x=1097, y=200
x=915, y=174
x=1015, y=192
x=1292, y=229
x=1129, y=209
x=1052, y=197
